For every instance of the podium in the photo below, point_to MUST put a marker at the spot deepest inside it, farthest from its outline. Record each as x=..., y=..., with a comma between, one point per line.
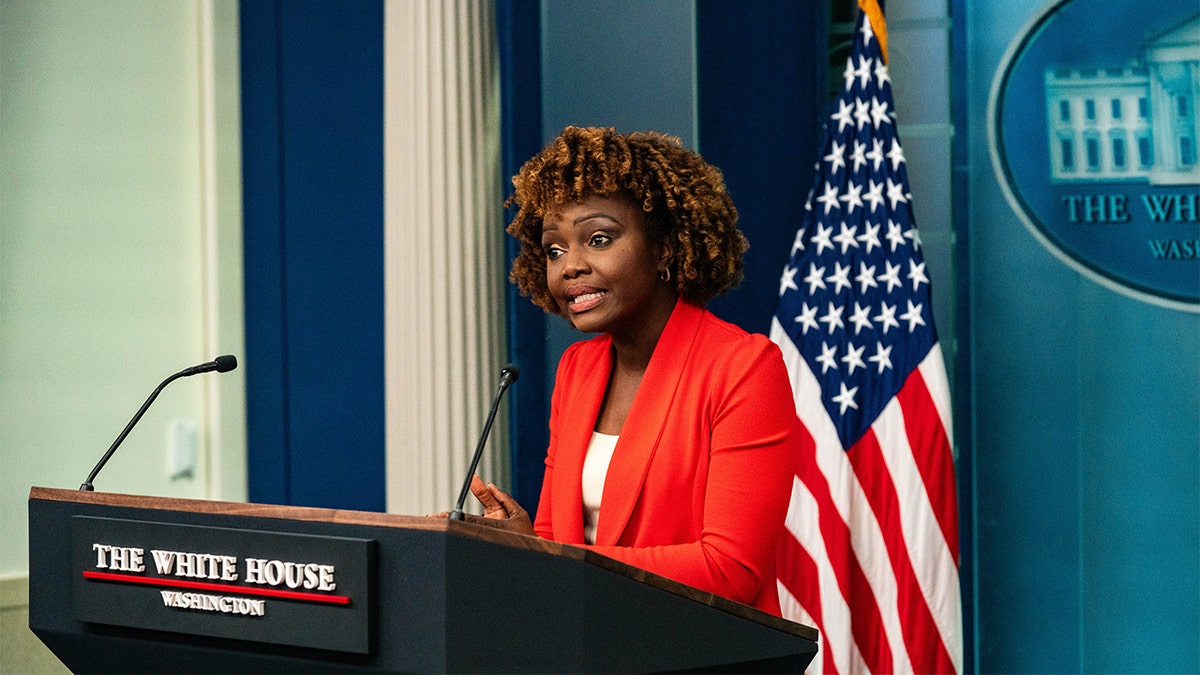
x=124, y=583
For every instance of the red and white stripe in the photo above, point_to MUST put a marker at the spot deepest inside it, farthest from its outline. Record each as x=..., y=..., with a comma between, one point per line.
x=872, y=556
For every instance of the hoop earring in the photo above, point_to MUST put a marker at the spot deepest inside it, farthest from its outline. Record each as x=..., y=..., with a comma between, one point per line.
x=665, y=275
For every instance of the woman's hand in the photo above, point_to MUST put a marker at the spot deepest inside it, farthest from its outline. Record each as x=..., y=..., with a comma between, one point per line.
x=498, y=505
x=499, y=510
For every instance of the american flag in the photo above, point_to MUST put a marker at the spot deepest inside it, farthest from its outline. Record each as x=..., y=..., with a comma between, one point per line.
x=871, y=556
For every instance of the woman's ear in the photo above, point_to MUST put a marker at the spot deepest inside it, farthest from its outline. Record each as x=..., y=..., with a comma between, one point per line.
x=666, y=255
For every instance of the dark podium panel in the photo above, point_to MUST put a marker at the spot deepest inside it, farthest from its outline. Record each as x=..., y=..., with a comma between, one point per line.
x=122, y=583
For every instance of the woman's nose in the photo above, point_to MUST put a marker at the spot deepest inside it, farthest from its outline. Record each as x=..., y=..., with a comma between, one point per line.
x=574, y=263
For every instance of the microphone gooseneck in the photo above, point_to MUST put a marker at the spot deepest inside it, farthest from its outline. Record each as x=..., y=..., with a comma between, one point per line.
x=222, y=364
x=508, y=375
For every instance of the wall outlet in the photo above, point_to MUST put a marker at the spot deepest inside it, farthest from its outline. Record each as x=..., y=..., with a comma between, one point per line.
x=181, y=449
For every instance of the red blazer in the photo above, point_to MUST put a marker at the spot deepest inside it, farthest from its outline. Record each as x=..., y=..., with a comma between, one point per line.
x=700, y=481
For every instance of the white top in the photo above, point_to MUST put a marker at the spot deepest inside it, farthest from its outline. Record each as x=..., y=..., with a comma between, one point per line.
x=595, y=470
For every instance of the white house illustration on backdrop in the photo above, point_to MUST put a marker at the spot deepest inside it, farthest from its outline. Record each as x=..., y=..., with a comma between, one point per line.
x=1135, y=122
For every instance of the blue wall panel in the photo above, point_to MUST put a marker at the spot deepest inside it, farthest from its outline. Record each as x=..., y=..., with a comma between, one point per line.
x=758, y=67
x=313, y=170
x=519, y=37
x=262, y=168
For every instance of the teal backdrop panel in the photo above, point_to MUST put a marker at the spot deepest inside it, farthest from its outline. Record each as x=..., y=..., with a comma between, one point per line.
x=1085, y=460
x=626, y=64
x=741, y=83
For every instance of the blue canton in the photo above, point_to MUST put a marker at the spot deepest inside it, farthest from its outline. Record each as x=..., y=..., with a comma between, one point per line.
x=854, y=297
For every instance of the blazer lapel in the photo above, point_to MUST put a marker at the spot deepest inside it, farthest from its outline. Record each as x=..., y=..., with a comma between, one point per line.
x=581, y=410
x=646, y=423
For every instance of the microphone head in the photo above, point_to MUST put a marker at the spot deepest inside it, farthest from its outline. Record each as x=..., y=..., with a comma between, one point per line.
x=510, y=373
x=225, y=363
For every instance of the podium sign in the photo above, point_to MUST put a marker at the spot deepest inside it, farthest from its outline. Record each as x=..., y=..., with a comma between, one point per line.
x=127, y=583
x=279, y=588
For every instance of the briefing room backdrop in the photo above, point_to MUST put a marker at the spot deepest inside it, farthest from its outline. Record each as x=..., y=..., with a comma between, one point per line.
x=1077, y=406
x=1085, y=406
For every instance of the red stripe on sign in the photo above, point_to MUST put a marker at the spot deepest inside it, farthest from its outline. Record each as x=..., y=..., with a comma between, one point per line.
x=224, y=588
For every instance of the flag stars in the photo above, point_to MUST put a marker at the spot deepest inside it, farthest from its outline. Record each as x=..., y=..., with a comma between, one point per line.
x=895, y=193
x=840, y=277
x=891, y=275
x=843, y=115
x=860, y=318
x=815, y=278
x=914, y=236
x=853, y=359
x=874, y=195
x=857, y=260
x=828, y=357
x=870, y=237
x=846, y=398
x=821, y=238
x=836, y=156
x=864, y=70
x=882, y=357
x=866, y=277
x=859, y=155
x=895, y=235
x=913, y=316
x=880, y=115
x=896, y=154
x=876, y=153
x=916, y=272
x=867, y=33
x=862, y=113
x=830, y=197
x=881, y=74
x=886, y=317
x=788, y=280
x=798, y=242
x=853, y=197
x=807, y=319
x=833, y=318
x=846, y=237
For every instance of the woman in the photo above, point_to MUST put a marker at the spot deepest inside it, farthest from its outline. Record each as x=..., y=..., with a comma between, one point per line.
x=673, y=436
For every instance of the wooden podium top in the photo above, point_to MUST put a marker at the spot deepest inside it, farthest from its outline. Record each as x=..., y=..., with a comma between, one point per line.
x=474, y=527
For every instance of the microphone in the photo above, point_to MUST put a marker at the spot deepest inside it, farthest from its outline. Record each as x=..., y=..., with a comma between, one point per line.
x=508, y=375
x=221, y=364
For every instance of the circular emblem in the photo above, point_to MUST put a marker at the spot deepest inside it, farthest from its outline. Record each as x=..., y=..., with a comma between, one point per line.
x=1093, y=129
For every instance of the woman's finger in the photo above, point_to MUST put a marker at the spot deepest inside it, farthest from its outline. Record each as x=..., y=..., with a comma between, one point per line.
x=492, y=507
x=510, y=505
x=518, y=518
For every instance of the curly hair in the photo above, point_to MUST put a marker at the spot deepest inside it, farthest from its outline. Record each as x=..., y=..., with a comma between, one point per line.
x=683, y=196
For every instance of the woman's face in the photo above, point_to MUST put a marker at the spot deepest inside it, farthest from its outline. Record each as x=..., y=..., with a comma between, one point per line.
x=601, y=267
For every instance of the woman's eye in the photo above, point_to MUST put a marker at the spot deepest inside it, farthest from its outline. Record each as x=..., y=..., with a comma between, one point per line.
x=553, y=252
x=600, y=240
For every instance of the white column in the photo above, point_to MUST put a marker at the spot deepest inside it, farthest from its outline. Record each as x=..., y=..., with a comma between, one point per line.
x=443, y=247
x=220, y=204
